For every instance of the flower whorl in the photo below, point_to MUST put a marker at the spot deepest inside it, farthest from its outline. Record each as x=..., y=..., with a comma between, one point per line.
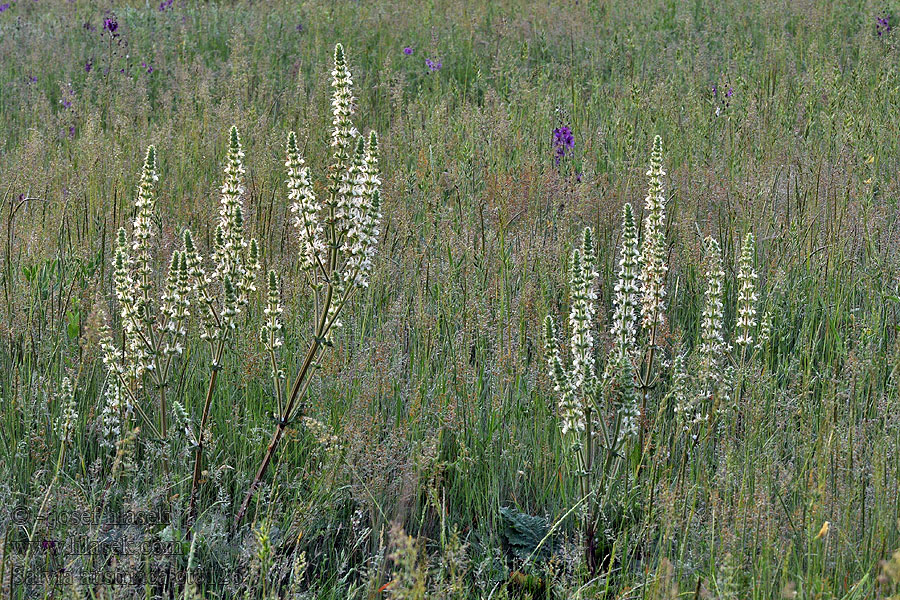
x=175, y=301
x=133, y=309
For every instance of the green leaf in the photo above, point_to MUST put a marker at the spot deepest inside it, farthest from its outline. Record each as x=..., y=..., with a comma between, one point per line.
x=73, y=328
x=524, y=533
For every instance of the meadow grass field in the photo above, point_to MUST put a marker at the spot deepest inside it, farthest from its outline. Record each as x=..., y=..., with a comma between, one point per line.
x=712, y=415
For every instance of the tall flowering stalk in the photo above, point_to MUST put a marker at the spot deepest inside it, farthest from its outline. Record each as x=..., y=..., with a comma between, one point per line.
x=582, y=421
x=626, y=299
x=623, y=329
x=337, y=242
x=712, y=339
x=655, y=202
x=152, y=331
x=654, y=268
x=747, y=298
x=697, y=397
x=221, y=294
x=653, y=250
x=582, y=285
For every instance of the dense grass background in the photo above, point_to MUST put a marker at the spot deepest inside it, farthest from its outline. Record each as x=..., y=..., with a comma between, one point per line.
x=436, y=394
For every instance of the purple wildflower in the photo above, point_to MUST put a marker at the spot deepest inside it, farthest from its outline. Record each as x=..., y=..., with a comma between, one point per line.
x=407, y=51
x=32, y=79
x=563, y=141
x=148, y=67
x=72, y=131
x=724, y=99
x=165, y=4
x=89, y=65
x=883, y=24
x=433, y=65
x=5, y=6
x=110, y=24
x=299, y=27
